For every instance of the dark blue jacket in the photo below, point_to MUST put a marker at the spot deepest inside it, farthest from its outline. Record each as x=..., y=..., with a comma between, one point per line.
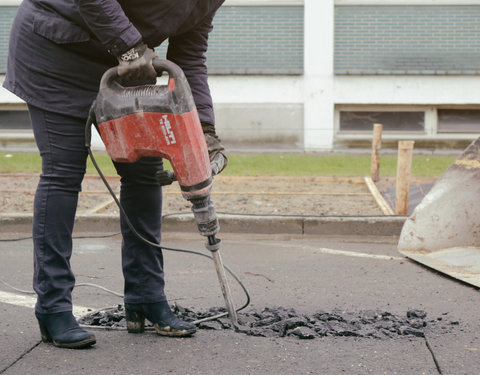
x=59, y=49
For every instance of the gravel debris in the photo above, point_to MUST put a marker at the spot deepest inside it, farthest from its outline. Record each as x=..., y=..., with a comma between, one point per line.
x=286, y=322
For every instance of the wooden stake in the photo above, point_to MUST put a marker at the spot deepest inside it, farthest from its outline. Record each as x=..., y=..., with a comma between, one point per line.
x=376, y=145
x=382, y=204
x=404, y=166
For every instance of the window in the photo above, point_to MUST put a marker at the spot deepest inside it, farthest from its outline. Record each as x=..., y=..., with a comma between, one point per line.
x=394, y=121
x=14, y=120
x=459, y=121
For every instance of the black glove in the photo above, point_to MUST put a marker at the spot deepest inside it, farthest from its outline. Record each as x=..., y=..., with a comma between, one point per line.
x=216, y=151
x=136, y=63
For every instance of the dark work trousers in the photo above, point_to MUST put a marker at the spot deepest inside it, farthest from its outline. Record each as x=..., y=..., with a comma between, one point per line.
x=61, y=142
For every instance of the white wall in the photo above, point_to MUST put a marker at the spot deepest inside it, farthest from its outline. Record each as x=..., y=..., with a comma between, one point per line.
x=6, y=97
x=319, y=91
x=318, y=75
x=314, y=89
x=421, y=90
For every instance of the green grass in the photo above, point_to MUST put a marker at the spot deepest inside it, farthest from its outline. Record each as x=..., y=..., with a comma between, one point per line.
x=331, y=165
x=267, y=164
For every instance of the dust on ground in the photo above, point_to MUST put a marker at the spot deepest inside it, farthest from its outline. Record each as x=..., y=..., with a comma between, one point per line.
x=262, y=195
x=319, y=196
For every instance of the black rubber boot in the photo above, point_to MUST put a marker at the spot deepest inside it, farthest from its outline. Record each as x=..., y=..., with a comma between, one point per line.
x=162, y=317
x=63, y=331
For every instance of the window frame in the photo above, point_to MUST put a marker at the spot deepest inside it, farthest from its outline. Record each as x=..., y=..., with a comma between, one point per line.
x=431, y=122
x=15, y=107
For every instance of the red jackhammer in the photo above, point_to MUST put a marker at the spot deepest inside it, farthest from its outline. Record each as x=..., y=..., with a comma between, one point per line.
x=162, y=121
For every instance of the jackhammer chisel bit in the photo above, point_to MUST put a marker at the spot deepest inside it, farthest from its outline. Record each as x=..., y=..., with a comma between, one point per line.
x=213, y=245
x=207, y=222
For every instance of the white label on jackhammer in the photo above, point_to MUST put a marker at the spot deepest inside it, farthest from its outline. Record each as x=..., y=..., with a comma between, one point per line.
x=167, y=130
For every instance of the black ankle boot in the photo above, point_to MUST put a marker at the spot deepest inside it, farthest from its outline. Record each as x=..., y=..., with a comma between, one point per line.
x=63, y=330
x=162, y=317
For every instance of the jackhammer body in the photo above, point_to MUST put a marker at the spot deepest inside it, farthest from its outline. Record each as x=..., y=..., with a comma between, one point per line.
x=162, y=121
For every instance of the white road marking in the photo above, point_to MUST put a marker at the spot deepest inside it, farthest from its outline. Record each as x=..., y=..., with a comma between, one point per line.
x=29, y=301
x=324, y=250
x=356, y=254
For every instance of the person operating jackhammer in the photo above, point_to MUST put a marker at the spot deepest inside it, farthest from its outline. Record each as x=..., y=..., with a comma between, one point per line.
x=58, y=52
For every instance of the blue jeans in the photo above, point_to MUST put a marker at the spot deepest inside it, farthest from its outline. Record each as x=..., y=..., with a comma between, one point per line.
x=61, y=142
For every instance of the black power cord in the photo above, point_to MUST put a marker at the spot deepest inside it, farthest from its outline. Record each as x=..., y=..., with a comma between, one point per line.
x=135, y=232
x=90, y=121
x=88, y=135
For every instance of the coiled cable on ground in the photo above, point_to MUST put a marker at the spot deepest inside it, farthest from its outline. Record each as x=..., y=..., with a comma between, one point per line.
x=158, y=246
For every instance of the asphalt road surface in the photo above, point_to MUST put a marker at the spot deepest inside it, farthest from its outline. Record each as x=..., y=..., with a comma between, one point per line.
x=306, y=273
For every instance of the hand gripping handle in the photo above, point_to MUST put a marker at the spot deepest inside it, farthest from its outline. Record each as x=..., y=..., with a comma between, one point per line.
x=110, y=77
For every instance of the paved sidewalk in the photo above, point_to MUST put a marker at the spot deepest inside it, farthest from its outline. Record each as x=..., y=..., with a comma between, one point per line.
x=309, y=273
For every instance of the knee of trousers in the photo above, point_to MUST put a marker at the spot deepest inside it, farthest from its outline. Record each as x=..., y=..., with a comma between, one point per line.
x=141, y=172
x=67, y=182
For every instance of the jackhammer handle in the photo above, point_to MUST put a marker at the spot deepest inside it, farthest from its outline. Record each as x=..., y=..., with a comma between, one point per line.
x=110, y=77
x=173, y=70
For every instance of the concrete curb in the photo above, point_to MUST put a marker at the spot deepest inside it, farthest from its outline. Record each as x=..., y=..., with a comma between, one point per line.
x=260, y=224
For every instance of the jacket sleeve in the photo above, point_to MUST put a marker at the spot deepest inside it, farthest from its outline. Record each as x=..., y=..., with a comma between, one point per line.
x=109, y=24
x=188, y=51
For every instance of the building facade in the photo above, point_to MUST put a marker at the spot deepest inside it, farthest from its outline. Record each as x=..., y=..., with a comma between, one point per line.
x=316, y=75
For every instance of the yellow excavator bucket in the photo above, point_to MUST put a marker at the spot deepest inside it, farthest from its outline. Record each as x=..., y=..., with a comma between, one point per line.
x=443, y=231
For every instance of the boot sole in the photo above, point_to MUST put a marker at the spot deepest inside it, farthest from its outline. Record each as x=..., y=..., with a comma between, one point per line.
x=167, y=331
x=136, y=324
x=76, y=345
x=71, y=345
